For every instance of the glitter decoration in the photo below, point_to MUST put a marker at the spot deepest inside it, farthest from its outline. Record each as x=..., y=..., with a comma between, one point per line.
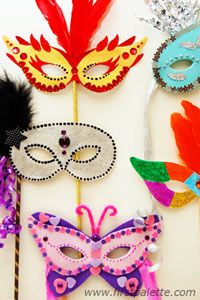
x=190, y=45
x=179, y=76
x=172, y=16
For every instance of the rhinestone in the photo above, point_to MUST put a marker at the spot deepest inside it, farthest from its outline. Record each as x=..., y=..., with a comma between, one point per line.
x=172, y=16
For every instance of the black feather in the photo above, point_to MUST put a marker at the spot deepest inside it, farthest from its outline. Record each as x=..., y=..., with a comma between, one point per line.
x=15, y=109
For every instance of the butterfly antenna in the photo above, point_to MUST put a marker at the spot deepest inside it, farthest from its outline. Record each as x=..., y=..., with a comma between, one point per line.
x=79, y=211
x=106, y=209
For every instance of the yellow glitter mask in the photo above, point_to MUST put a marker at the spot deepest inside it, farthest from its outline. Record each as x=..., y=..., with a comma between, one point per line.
x=75, y=62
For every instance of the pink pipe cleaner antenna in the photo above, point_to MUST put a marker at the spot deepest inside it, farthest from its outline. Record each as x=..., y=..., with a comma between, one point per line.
x=106, y=209
x=96, y=230
x=79, y=211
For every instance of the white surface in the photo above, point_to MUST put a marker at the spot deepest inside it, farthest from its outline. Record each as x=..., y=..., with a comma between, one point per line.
x=120, y=113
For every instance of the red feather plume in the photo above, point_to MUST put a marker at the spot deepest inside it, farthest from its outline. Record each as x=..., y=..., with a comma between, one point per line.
x=55, y=17
x=187, y=135
x=91, y=16
x=86, y=18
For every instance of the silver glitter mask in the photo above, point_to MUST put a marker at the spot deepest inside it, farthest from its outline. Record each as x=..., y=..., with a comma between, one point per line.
x=62, y=141
x=172, y=16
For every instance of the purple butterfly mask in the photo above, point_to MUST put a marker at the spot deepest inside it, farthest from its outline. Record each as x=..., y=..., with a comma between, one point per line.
x=125, y=274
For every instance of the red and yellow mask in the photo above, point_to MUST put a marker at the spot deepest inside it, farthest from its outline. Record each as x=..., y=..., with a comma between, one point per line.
x=75, y=61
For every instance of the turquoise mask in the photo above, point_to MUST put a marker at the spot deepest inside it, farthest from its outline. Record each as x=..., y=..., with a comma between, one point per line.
x=176, y=64
x=184, y=48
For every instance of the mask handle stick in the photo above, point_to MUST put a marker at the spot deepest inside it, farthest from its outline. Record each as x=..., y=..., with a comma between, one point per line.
x=17, y=240
x=147, y=132
x=76, y=120
x=77, y=182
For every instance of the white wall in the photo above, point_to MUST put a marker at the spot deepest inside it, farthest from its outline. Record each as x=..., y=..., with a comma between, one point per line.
x=119, y=112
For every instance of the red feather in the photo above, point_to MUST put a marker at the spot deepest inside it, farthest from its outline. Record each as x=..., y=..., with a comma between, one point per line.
x=187, y=135
x=87, y=16
x=54, y=15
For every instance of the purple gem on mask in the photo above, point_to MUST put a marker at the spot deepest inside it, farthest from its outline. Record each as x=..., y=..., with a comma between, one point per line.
x=63, y=132
x=95, y=238
x=64, y=152
x=64, y=142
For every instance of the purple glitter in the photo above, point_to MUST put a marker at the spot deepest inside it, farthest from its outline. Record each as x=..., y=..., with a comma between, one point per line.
x=8, y=199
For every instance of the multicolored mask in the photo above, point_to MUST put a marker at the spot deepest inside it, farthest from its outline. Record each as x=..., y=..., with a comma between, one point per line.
x=176, y=62
x=157, y=174
x=61, y=141
x=75, y=60
x=126, y=274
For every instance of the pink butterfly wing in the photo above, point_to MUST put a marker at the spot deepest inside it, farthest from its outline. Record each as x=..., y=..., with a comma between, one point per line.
x=123, y=273
x=137, y=238
x=51, y=235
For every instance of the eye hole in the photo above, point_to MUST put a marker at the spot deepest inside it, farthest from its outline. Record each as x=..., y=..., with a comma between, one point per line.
x=97, y=70
x=182, y=64
x=39, y=154
x=53, y=70
x=176, y=186
x=86, y=154
x=71, y=252
x=118, y=252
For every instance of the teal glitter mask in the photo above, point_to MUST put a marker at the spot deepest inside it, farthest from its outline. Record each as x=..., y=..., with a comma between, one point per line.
x=185, y=48
x=179, y=19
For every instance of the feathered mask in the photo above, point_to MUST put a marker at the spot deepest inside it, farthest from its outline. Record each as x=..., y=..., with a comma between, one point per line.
x=75, y=60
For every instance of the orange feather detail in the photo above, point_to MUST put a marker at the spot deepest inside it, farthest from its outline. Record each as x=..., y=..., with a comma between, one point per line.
x=187, y=135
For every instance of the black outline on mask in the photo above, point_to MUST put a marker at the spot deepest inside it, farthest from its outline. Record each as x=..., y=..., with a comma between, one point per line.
x=57, y=160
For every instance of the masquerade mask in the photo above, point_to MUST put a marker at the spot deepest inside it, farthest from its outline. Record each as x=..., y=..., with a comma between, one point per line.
x=157, y=174
x=62, y=142
x=125, y=274
x=75, y=60
x=185, y=48
x=168, y=63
